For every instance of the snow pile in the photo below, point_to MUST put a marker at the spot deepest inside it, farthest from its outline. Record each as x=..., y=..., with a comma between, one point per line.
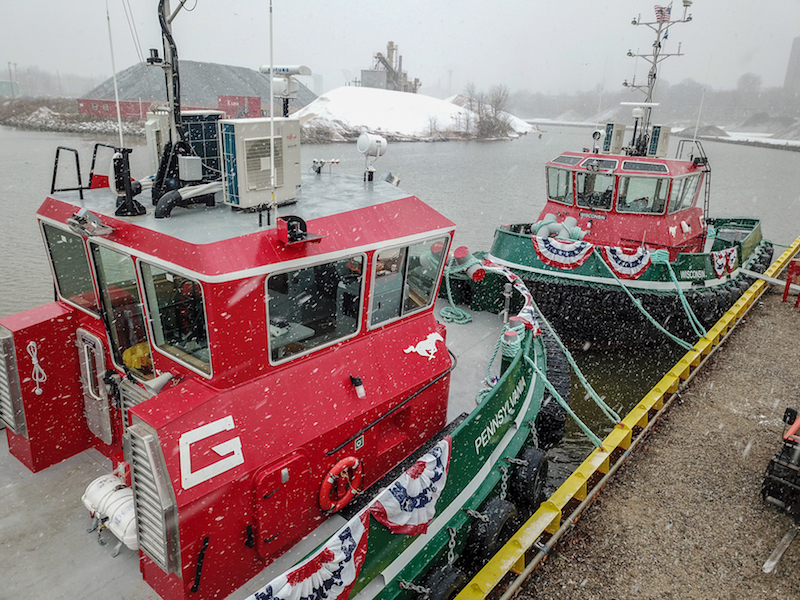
x=348, y=111
x=46, y=119
x=517, y=125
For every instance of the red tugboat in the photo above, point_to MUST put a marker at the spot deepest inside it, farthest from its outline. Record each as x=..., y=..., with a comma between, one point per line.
x=259, y=358
x=625, y=244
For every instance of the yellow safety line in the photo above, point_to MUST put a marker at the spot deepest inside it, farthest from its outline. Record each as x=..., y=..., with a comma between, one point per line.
x=548, y=518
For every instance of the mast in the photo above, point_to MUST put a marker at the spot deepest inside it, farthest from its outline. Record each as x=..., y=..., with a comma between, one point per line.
x=661, y=25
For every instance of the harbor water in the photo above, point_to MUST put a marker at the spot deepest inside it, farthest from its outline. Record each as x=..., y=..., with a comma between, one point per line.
x=478, y=185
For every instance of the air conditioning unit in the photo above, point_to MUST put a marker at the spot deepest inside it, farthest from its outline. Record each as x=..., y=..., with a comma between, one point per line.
x=156, y=132
x=659, y=141
x=246, y=146
x=614, y=139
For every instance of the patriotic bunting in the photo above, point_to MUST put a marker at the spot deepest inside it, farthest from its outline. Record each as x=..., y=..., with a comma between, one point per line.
x=732, y=258
x=562, y=254
x=409, y=504
x=328, y=574
x=627, y=264
x=724, y=260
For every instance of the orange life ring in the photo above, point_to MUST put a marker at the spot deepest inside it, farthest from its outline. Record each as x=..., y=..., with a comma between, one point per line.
x=348, y=470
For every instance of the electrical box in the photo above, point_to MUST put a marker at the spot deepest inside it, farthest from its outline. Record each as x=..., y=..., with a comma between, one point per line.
x=659, y=141
x=614, y=139
x=249, y=149
x=190, y=168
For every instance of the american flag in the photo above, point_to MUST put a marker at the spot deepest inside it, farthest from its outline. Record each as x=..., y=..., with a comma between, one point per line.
x=662, y=13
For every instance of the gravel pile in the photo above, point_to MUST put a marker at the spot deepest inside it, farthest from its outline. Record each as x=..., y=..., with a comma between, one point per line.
x=684, y=518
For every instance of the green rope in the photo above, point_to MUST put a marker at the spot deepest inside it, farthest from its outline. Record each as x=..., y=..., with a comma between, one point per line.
x=775, y=243
x=508, y=351
x=452, y=313
x=638, y=304
x=607, y=410
x=661, y=257
x=592, y=437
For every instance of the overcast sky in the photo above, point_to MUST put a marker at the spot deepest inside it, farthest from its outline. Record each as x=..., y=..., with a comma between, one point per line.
x=548, y=47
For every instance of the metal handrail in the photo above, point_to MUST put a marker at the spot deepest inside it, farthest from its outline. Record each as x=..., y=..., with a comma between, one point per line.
x=80, y=187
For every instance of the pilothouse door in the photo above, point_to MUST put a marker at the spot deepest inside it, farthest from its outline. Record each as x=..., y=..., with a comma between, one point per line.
x=97, y=409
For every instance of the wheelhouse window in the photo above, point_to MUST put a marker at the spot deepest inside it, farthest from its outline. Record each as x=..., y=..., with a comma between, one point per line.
x=642, y=194
x=122, y=309
x=177, y=316
x=314, y=306
x=406, y=279
x=71, y=267
x=559, y=185
x=683, y=193
x=595, y=190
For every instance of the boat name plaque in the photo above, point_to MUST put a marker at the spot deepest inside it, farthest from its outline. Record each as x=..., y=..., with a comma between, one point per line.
x=693, y=274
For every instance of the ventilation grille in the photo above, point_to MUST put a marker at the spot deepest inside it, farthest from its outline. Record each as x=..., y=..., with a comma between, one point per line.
x=155, y=508
x=11, y=409
x=130, y=395
x=258, y=163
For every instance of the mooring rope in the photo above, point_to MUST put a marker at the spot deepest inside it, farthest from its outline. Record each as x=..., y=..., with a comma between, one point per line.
x=592, y=437
x=452, y=313
x=661, y=257
x=638, y=304
x=607, y=410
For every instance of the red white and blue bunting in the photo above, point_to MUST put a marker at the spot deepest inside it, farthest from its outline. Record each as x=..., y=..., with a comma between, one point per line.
x=328, y=574
x=724, y=260
x=563, y=254
x=409, y=504
x=627, y=264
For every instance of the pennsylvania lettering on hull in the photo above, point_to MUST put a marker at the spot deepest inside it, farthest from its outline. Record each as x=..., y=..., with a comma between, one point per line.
x=505, y=412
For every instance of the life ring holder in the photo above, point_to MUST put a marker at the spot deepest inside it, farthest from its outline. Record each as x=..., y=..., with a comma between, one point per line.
x=351, y=470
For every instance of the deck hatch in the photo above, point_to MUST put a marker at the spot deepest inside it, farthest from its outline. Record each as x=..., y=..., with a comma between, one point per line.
x=11, y=407
x=156, y=520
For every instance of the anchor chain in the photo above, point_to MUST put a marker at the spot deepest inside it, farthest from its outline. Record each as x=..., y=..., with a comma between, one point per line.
x=534, y=434
x=451, y=546
x=407, y=585
x=476, y=515
x=503, y=483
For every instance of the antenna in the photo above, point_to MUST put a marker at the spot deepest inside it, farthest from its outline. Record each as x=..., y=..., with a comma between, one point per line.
x=113, y=70
x=661, y=25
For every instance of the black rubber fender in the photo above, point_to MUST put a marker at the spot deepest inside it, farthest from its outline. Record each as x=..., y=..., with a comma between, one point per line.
x=724, y=301
x=528, y=479
x=735, y=291
x=486, y=538
x=552, y=418
x=743, y=284
x=444, y=582
x=708, y=311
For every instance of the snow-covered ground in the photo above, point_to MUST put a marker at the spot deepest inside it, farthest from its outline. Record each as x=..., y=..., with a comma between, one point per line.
x=347, y=111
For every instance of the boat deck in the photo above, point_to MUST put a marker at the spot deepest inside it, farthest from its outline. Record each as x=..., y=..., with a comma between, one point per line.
x=46, y=551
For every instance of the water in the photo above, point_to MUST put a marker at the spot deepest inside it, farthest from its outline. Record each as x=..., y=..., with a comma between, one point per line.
x=478, y=185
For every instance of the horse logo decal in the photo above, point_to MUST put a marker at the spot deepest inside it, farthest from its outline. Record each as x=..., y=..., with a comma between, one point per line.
x=427, y=347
